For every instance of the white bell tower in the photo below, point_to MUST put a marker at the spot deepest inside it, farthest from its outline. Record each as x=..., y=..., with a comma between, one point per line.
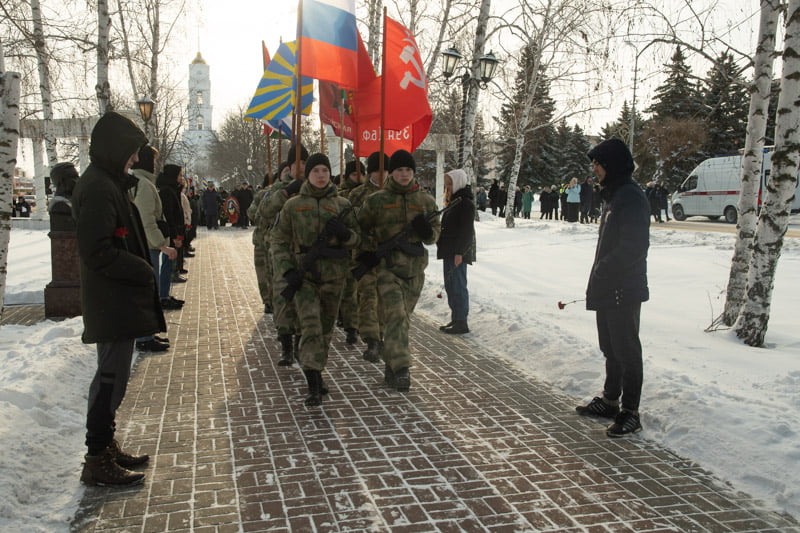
x=199, y=136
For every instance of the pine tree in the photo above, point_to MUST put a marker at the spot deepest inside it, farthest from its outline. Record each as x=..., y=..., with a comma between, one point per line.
x=726, y=102
x=678, y=97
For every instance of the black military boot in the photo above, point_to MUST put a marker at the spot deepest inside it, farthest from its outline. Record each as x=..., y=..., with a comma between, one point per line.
x=314, y=379
x=102, y=470
x=297, y=347
x=352, y=336
x=402, y=380
x=458, y=327
x=373, y=351
x=388, y=376
x=125, y=459
x=287, y=353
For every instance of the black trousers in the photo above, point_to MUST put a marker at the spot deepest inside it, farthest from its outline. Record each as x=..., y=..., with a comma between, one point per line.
x=107, y=391
x=618, y=334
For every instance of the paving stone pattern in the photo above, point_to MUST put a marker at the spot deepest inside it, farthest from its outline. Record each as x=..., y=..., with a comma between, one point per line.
x=476, y=445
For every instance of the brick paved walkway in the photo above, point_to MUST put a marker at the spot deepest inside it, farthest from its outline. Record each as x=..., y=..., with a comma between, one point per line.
x=475, y=445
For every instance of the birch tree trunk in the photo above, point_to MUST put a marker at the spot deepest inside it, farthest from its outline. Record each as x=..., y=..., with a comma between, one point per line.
x=103, y=88
x=751, y=326
x=515, y=166
x=43, y=60
x=444, y=20
x=375, y=10
x=752, y=160
x=9, y=140
x=471, y=109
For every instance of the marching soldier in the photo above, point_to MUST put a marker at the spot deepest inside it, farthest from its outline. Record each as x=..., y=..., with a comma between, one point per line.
x=370, y=313
x=284, y=313
x=402, y=206
x=310, y=247
x=348, y=309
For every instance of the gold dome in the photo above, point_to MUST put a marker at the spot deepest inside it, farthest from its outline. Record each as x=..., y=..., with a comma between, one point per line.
x=199, y=59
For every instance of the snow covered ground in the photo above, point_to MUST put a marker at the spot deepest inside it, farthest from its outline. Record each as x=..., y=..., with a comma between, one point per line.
x=732, y=408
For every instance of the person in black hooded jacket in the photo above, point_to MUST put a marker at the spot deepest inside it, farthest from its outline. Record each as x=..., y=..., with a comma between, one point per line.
x=618, y=286
x=119, y=299
x=169, y=190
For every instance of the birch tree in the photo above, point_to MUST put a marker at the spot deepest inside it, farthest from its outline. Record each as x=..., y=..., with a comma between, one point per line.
x=103, y=87
x=9, y=140
x=556, y=36
x=751, y=325
x=752, y=160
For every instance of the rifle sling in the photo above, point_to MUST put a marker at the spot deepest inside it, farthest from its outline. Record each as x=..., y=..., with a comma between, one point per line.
x=329, y=252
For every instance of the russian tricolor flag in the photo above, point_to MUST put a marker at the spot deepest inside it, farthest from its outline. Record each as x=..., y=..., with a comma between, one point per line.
x=329, y=47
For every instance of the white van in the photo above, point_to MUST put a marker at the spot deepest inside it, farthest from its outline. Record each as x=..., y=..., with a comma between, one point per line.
x=712, y=189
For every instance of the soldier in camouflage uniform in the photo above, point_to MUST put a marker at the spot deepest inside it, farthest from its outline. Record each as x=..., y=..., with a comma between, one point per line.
x=401, y=273
x=260, y=243
x=348, y=309
x=370, y=312
x=318, y=211
x=284, y=313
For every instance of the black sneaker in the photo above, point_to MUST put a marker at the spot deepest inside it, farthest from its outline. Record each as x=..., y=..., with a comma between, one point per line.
x=170, y=304
x=598, y=408
x=152, y=346
x=625, y=423
x=164, y=340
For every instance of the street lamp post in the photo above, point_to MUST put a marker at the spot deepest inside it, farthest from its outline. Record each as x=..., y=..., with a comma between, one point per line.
x=488, y=65
x=145, y=110
x=635, y=81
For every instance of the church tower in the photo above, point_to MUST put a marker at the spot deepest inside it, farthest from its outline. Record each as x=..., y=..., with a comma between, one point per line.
x=199, y=136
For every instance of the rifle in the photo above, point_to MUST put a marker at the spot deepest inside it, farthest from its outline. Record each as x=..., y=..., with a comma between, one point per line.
x=399, y=242
x=317, y=250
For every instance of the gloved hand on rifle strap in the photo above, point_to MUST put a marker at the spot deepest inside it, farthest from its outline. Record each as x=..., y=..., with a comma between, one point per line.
x=336, y=227
x=422, y=227
x=293, y=278
x=368, y=258
x=293, y=188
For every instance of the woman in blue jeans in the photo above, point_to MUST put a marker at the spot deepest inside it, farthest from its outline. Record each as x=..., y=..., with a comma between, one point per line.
x=456, y=248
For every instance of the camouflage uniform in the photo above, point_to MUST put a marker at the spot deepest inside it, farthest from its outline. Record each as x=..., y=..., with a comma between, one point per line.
x=284, y=315
x=371, y=318
x=299, y=225
x=348, y=309
x=261, y=250
x=401, y=277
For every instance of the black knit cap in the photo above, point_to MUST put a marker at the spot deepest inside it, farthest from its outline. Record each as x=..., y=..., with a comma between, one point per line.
x=402, y=158
x=317, y=159
x=374, y=161
x=614, y=156
x=291, y=157
x=350, y=167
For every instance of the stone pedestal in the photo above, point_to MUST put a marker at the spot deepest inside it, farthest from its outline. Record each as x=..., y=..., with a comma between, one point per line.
x=62, y=296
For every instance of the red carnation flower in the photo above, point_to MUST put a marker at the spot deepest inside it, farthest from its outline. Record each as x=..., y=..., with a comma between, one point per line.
x=120, y=232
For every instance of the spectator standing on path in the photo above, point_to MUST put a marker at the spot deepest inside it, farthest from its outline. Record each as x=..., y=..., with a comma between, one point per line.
x=586, y=199
x=481, y=199
x=573, y=203
x=119, y=300
x=168, y=183
x=654, y=200
x=211, y=201
x=544, y=203
x=494, y=190
x=618, y=286
x=664, y=200
x=401, y=274
x=315, y=213
x=455, y=249
x=145, y=196
x=23, y=208
x=555, y=201
x=527, y=202
x=517, y=202
x=502, y=200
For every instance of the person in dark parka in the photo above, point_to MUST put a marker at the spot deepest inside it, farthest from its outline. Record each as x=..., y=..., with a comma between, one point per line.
x=119, y=299
x=169, y=190
x=456, y=248
x=618, y=286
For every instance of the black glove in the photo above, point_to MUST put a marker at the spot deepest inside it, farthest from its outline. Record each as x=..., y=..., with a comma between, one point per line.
x=336, y=227
x=368, y=259
x=422, y=227
x=293, y=278
x=293, y=188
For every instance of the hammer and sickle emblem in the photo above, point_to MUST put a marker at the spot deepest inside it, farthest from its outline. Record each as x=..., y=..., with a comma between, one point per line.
x=408, y=55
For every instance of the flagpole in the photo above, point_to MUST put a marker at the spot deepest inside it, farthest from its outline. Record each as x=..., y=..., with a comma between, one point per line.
x=298, y=77
x=265, y=62
x=341, y=137
x=321, y=136
x=383, y=100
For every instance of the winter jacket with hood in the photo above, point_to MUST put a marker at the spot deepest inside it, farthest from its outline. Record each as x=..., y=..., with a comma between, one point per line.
x=149, y=205
x=458, y=224
x=119, y=299
x=169, y=190
x=619, y=272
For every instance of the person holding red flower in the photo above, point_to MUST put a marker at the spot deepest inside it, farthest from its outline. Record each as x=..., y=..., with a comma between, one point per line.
x=119, y=299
